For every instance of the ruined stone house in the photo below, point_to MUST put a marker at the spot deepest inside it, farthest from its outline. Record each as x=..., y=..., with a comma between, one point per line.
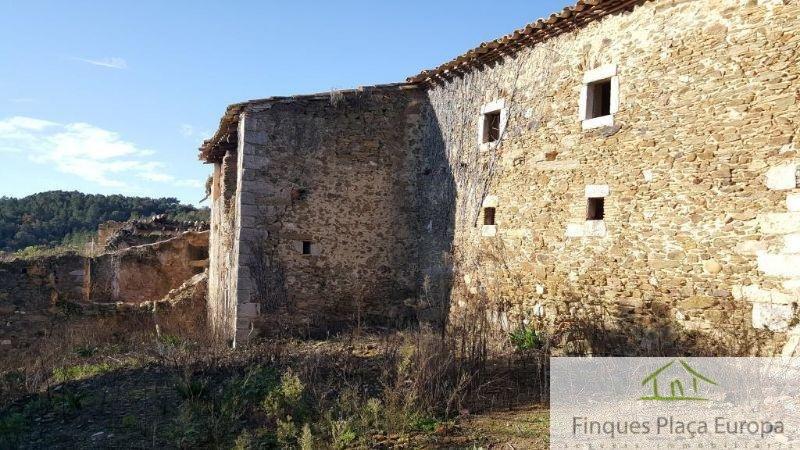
x=638, y=157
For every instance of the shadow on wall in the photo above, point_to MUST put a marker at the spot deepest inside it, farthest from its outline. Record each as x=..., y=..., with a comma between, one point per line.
x=594, y=329
x=436, y=206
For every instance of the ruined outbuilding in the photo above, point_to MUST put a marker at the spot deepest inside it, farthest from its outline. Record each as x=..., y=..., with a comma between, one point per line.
x=36, y=293
x=633, y=158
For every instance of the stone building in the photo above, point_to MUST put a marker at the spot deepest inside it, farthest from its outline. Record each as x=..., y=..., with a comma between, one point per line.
x=628, y=164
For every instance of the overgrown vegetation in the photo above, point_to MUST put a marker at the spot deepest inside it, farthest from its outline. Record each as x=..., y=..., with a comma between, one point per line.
x=69, y=219
x=172, y=388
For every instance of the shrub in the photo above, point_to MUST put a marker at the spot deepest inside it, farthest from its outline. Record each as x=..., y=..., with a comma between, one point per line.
x=524, y=338
x=287, y=400
x=191, y=389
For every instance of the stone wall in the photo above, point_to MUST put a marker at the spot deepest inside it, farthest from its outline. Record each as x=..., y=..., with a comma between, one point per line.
x=35, y=292
x=223, y=248
x=662, y=226
x=708, y=103
x=113, y=235
x=146, y=272
x=28, y=288
x=325, y=227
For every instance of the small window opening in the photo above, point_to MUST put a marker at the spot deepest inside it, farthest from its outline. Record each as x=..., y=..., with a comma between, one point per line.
x=306, y=247
x=491, y=126
x=488, y=216
x=598, y=98
x=595, y=208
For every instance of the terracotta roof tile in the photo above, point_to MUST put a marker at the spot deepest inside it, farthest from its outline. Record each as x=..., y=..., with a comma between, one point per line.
x=568, y=19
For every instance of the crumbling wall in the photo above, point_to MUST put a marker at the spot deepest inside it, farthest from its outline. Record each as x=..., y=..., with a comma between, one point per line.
x=113, y=235
x=223, y=248
x=36, y=292
x=146, y=272
x=708, y=104
x=326, y=221
x=30, y=289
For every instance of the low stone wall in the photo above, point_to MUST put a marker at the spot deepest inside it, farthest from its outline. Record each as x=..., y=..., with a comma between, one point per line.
x=34, y=292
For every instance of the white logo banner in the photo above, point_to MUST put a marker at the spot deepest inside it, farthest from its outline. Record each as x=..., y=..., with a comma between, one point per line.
x=675, y=402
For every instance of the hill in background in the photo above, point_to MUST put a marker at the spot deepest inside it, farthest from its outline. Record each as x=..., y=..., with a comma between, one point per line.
x=70, y=218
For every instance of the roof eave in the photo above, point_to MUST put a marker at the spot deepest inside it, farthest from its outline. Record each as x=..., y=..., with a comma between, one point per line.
x=569, y=19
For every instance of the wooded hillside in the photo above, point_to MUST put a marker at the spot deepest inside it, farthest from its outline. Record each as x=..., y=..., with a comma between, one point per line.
x=59, y=217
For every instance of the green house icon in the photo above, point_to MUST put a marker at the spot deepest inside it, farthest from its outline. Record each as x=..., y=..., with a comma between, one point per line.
x=683, y=386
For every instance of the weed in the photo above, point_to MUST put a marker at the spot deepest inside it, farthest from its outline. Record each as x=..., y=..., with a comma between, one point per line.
x=244, y=441
x=287, y=399
x=86, y=351
x=423, y=423
x=11, y=428
x=130, y=421
x=71, y=400
x=191, y=389
x=39, y=405
x=257, y=382
x=258, y=439
x=307, y=438
x=170, y=340
x=80, y=371
x=342, y=434
x=217, y=419
x=287, y=432
x=524, y=338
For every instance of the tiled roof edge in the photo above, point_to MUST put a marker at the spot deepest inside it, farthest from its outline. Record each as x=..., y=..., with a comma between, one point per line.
x=569, y=19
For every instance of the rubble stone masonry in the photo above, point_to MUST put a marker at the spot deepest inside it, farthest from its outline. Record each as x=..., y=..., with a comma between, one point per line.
x=640, y=173
x=35, y=292
x=322, y=230
x=693, y=169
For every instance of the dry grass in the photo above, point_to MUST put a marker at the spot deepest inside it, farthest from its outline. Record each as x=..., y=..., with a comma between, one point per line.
x=401, y=388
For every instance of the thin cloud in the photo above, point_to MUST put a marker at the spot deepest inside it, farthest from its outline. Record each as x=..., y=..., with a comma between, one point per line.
x=84, y=150
x=22, y=100
x=192, y=132
x=186, y=130
x=112, y=63
x=190, y=183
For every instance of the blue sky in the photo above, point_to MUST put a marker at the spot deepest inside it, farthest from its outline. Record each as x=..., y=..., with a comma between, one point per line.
x=115, y=97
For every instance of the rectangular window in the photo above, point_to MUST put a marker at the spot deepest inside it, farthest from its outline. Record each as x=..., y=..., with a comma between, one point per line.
x=491, y=126
x=306, y=247
x=595, y=208
x=488, y=216
x=598, y=99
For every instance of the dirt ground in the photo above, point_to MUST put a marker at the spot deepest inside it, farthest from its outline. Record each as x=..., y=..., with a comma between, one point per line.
x=521, y=428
